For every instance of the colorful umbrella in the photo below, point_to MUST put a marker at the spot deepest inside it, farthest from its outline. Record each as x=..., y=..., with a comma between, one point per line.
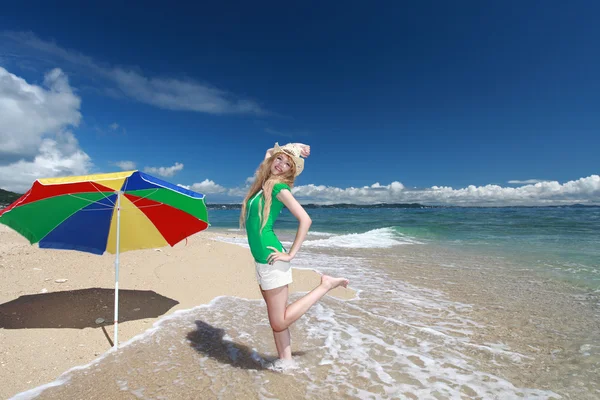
x=106, y=212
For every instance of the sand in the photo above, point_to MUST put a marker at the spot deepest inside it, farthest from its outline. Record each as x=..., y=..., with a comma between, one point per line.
x=50, y=299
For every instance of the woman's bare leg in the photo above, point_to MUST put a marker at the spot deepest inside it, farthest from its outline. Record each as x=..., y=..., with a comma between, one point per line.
x=281, y=316
x=276, y=305
x=283, y=342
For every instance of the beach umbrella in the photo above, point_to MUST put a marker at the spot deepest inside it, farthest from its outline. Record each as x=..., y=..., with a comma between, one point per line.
x=111, y=213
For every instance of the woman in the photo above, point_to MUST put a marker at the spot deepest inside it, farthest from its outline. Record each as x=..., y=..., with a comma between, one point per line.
x=269, y=193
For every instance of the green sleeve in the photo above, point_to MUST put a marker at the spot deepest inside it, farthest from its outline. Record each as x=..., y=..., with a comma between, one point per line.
x=279, y=187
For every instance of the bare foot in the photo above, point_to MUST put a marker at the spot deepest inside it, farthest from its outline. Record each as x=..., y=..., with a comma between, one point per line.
x=281, y=365
x=331, y=282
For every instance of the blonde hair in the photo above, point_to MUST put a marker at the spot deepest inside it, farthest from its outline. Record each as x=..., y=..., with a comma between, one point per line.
x=263, y=179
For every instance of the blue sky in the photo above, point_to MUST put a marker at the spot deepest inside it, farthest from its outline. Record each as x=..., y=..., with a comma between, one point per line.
x=435, y=102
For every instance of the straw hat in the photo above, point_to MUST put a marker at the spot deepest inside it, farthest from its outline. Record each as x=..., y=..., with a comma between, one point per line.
x=294, y=152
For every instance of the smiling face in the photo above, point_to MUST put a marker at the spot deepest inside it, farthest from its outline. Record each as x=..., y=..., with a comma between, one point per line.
x=281, y=164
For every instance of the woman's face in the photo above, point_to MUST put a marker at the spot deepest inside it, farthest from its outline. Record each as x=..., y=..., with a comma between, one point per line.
x=281, y=164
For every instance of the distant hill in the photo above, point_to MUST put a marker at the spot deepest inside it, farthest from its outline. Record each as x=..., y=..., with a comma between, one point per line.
x=7, y=197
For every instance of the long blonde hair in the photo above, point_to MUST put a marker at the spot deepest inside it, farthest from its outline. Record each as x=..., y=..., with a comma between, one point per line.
x=263, y=179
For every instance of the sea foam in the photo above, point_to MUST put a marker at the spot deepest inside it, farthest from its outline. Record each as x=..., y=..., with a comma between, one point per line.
x=376, y=238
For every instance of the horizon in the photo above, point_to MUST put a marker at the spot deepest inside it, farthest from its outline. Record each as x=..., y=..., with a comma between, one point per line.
x=237, y=205
x=415, y=205
x=473, y=104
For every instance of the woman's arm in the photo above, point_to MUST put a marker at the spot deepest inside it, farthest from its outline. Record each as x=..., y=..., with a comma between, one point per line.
x=304, y=149
x=286, y=197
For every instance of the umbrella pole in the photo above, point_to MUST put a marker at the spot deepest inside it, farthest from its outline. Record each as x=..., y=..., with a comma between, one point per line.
x=116, y=335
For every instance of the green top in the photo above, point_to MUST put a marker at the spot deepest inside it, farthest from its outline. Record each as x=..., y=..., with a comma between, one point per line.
x=258, y=241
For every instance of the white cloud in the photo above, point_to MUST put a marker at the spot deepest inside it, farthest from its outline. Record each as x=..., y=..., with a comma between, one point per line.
x=29, y=112
x=376, y=193
x=114, y=126
x=60, y=156
x=32, y=41
x=237, y=192
x=34, y=122
x=584, y=190
x=525, y=182
x=395, y=187
x=175, y=94
x=167, y=93
x=207, y=186
x=250, y=180
x=164, y=171
x=125, y=165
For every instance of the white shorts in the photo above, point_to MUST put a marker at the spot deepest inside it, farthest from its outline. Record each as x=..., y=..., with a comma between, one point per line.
x=273, y=276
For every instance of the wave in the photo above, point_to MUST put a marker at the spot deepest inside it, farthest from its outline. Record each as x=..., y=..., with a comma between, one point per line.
x=376, y=238
x=317, y=233
x=373, y=239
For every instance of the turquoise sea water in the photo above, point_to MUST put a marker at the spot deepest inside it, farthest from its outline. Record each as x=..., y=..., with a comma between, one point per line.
x=561, y=241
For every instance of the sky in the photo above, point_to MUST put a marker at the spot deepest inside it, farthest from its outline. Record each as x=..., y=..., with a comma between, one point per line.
x=435, y=102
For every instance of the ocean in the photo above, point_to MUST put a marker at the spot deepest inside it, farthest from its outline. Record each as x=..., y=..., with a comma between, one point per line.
x=452, y=303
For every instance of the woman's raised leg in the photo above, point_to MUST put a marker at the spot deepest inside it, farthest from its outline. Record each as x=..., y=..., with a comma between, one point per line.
x=281, y=316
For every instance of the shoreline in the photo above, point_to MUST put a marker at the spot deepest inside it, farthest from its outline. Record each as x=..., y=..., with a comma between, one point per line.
x=41, y=341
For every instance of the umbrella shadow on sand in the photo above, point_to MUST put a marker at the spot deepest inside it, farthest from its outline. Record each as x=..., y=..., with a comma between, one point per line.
x=80, y=309
x=209, y=340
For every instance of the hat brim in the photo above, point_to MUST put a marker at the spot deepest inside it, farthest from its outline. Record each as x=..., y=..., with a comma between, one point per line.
x=298, y=161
